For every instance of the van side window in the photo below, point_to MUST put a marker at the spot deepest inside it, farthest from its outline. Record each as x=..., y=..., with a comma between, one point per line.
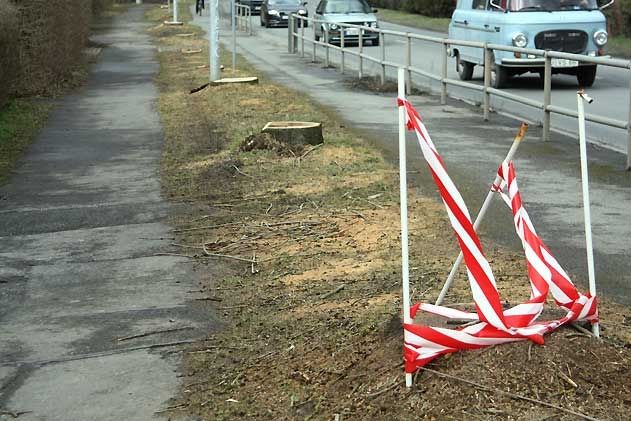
x=320, y=8
x=479, y=5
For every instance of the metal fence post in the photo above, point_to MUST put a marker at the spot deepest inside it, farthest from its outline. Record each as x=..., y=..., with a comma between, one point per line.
x=629, y=132
x=382, y=43
x=547, y=94
x=487, y=82
x=315, y=46
x=302, y=38
x=290, y=36
x=443, y=90
x=408, y=64
x=326, y=46
x=342, y=50
x=249, y=21
x=360, y=71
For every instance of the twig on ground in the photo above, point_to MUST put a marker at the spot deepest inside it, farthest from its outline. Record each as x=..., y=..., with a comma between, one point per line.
x=568, y=379
x=154, y=332
x=512, y=395
x=583, y=330
x=208, y=349
x=269, y=208
x=217, y=299
x=335, y=291
x=226, y=256
x=13, y=414
x=175, y=254
x=241, y=172
x=387, y=389
x=172, y=408
x=303, y=156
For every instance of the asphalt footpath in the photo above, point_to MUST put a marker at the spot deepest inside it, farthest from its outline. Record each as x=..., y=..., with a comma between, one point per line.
x=548, y=172
x=87, y=307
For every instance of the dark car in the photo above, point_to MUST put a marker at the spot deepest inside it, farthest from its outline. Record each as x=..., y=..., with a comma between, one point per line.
x=255, y=5
x=276, y=12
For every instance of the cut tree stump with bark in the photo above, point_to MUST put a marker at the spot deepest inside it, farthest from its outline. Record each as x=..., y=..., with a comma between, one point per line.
x=295, y=133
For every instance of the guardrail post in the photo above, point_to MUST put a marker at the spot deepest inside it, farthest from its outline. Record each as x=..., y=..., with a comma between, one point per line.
x=360, y=71
x=408, y=64
x=302, y=38
x=326, y=46
x=342, y=50
x=249, y=21
x=629, y=132
x=443, y=89
x=547, y=93
x=290, y=36
x=315, y=46
x=487, y=82
x=382, y=44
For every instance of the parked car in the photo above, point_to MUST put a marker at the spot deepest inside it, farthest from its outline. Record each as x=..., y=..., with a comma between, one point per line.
x=276, y=12
x=255, y=5
x=356, y=12
x=571, y=26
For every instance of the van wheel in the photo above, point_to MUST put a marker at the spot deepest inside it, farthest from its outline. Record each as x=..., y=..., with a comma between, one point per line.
x=465, y=70
x=317, y=37
x=375, y=42
x=586, y=75
x=499, y=75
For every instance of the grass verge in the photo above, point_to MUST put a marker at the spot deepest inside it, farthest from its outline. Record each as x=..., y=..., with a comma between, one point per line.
x=20, y=121
x=300, y=254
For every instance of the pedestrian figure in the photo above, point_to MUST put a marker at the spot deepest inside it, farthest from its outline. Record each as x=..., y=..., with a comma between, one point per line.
x=199, y=6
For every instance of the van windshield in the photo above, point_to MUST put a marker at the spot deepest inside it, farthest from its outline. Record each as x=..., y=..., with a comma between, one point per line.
x=551, y=5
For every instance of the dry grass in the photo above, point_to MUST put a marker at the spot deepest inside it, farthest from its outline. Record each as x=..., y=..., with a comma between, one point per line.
x=311, y=297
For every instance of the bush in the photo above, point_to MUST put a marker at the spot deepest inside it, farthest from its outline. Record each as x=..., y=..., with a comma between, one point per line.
x=8, y=56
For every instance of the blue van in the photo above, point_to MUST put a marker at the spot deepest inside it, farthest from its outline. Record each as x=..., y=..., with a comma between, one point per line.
x=571, y=26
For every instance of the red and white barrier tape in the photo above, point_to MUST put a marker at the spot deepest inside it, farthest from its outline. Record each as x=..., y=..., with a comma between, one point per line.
x=496, y=325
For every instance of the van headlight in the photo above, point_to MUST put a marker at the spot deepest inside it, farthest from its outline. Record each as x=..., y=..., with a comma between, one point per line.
x=333, y=26
x=600, y=38
x=520, y=40
x=373, y=24
x=302, y=12
x=274, y=13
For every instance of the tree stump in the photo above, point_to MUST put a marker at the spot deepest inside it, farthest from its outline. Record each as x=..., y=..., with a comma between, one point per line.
x=295, y=133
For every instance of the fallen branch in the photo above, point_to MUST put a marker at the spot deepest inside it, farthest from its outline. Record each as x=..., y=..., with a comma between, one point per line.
x=512, y=395
x=227, y=256
x=241, y=172
x=13, y=414
x=204, y=86
x=387, y=389
x=310, y=150
x=172, y=408
x=335, y=291
x=154, y=332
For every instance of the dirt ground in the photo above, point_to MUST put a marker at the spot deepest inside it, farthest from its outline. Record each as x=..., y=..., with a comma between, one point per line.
x=311, y=295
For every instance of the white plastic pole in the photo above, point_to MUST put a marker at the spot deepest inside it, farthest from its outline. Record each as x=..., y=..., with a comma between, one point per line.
x=213, y=40
x=403, y=191
x=234, y=35
x=175, y=11
x=581, y=96
x=485, y=206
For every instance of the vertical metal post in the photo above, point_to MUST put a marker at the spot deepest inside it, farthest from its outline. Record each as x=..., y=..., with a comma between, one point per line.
x=629, y=132
x=408, y=63
x=360, y=71
x=326, y=46
x=315, y=46
x=382, y=44
x=403, y=192
x=342, y=46
x=290, y=34
x=487, y=82
x=175, y=11
x=547, y=96
x=213, y=40
x=443, y=89
x=234, y=34
x=586, y=202
x=302, y=38
x=249, y=21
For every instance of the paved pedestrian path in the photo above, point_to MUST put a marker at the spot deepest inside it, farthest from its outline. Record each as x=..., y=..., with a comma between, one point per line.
x=81, y=222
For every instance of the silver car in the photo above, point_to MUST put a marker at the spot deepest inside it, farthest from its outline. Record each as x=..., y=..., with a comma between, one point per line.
x=356, y=12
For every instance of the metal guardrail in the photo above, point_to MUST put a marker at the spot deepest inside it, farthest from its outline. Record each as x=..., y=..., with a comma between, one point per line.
x=243, y=16
x=546, y=106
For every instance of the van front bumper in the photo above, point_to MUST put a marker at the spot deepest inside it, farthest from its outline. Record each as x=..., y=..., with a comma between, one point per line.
x=534, y=62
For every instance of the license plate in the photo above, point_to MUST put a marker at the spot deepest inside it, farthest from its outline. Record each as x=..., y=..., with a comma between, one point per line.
x=257, y=8
x=285, y=17
x=561, y=62
x=351, y=31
